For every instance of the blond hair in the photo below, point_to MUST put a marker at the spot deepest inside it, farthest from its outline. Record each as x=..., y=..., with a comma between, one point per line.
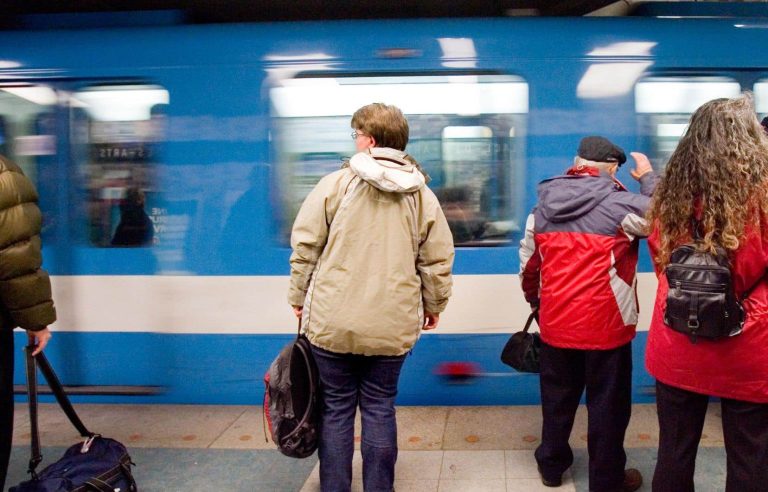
x=720, y=169
x=386, y=124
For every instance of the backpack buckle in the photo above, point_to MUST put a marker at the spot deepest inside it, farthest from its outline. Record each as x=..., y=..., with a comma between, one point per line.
x=693, y=326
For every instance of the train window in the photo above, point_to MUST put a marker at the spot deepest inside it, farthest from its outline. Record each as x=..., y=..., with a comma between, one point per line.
x=26, y=126
x=116, y=130
x=665, y=104
x=464, y=130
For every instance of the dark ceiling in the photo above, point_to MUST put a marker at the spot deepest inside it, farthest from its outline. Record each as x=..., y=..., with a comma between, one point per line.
x=208, y=11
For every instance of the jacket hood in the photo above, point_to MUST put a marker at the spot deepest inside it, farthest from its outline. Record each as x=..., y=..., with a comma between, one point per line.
x=566, y=198
x=387, y=169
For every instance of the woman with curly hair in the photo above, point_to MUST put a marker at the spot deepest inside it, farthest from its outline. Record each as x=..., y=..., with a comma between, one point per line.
x=717, y=181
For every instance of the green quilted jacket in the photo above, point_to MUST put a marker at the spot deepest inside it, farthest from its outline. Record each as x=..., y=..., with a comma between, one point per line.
x=25, y=289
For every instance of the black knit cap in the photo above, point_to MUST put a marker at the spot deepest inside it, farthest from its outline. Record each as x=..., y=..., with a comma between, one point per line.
x=599, y=149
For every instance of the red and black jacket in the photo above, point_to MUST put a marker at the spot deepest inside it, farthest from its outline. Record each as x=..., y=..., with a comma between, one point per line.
x=578, y=258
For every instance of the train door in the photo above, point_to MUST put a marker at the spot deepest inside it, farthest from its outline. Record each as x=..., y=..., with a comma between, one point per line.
x=116, y=132
x=91, y=150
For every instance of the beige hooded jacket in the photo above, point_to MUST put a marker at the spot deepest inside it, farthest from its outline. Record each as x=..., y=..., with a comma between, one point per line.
x=371, y=253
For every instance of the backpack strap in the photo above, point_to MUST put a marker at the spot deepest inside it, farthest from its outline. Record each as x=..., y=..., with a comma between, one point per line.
x=264, y=414
x=696, y=228
x=306, y=353
x=36, y=457
x=39, y=361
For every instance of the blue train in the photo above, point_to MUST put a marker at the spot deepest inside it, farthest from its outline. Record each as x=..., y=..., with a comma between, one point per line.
x=200, y=142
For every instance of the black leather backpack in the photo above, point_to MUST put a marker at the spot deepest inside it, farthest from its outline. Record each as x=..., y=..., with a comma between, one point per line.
x=700, y=301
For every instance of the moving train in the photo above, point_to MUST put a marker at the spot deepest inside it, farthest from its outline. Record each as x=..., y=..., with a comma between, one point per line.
x=203, y=141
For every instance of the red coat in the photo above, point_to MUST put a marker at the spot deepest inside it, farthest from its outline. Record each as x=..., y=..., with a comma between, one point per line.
x=735, y=367
x=578, y=259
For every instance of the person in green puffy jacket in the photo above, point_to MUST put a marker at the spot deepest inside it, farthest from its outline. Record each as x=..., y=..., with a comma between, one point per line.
x=25, y=289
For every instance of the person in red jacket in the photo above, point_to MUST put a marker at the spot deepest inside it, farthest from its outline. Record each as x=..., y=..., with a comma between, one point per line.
x=718, y=176
x=577, y=266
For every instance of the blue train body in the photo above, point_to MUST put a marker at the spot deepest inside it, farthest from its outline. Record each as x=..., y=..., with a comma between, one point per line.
x=217, y=154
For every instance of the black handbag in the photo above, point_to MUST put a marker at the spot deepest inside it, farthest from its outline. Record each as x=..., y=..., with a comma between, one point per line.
x=522, y=349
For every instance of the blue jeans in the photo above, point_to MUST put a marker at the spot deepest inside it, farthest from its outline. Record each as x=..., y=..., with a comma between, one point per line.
x=371, y=381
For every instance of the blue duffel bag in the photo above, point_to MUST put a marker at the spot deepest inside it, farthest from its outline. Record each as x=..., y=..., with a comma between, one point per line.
x=98, y=464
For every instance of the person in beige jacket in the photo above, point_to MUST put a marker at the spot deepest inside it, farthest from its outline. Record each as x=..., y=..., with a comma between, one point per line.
x=371, y=268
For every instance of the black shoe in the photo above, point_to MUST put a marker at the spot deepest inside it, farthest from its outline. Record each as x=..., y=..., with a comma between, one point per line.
x=632, y=480
x=550, y=481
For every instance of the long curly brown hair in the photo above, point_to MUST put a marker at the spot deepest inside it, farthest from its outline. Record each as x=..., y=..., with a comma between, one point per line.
x=719, y=166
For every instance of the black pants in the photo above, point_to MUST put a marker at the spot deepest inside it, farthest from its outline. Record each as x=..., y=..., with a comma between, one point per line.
x=681, y=420
x=6, y=401
x=607, y=376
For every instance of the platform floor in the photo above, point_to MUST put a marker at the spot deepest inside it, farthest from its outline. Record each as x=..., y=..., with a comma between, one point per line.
x=442, y=449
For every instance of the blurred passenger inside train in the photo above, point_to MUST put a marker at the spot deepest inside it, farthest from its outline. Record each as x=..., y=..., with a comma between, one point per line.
x=462, y=219
x=714, y=191
x=25, y=289
x=578, y=262
x=135, y=227
x=371, y=267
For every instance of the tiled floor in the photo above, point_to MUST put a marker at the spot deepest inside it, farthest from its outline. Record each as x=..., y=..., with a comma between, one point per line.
x=442, y=449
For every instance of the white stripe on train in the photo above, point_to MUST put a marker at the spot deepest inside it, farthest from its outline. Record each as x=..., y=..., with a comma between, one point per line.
x=257, y=304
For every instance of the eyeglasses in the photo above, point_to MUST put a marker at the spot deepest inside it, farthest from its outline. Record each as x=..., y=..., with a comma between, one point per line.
x=356, y=134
